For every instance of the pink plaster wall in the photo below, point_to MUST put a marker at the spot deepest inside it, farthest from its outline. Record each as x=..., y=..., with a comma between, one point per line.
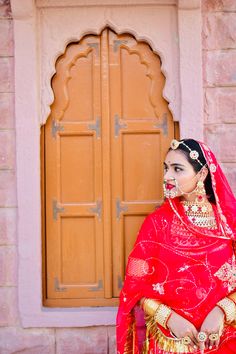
x=219, y=85
x=219, y=81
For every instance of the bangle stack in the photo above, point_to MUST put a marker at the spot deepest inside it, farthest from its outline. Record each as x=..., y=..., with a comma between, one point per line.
x=162, y=315
x=150, y=306
x=160, y=312
x=229, y=308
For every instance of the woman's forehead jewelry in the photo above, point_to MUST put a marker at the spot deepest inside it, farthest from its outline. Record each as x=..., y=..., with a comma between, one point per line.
x=194, y=155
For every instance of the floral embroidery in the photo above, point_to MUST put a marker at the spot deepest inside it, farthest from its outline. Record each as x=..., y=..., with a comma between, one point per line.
x=212, y=167
x=227, y=273
x=158, y=287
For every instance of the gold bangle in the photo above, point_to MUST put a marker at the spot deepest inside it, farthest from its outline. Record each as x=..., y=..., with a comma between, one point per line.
x=162, y=315
x=232, y=297
x=229, y=308
x=150, y=306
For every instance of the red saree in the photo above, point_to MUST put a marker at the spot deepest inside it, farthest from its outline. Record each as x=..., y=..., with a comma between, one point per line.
x=181, y=265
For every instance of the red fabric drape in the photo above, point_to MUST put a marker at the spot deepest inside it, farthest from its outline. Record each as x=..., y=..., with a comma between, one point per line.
x=176, y=262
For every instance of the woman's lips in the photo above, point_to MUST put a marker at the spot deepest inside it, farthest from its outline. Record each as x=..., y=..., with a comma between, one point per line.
x=169, y=186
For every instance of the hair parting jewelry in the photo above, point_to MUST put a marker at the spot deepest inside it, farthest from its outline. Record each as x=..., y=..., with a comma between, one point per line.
x=194, y=155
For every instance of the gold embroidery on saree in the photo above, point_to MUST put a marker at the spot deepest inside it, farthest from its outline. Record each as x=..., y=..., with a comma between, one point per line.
x=167, y=344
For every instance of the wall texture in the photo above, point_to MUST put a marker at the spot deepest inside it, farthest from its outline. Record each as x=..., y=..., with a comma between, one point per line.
x=219, y=85
x=219, y=81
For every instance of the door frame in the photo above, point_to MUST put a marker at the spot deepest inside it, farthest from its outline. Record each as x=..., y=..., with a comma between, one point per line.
x=36, y=50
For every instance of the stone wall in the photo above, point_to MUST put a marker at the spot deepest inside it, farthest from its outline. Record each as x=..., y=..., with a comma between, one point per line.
x=219, y=54
x=219, y=81
x=13, y=338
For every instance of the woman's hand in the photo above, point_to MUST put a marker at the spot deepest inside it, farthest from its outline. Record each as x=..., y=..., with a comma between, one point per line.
x=213, y=323
x=181, y=328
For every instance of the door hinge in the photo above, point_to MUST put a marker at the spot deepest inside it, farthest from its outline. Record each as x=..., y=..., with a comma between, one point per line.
x=96, y=127
x=97, y=209
x=95, y=46
x=120, y=282
x=56, y=127
x=119, y=208
x=57, y=286
x=117, y=43
x=98, y=287
x=118, y=125
x=163, y=125
x=56, y=209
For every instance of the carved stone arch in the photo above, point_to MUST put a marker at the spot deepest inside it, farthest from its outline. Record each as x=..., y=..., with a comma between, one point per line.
x=66, y=74
x=170, y=90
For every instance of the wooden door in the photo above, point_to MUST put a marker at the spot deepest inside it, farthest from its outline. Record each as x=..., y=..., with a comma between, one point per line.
x=105, y=141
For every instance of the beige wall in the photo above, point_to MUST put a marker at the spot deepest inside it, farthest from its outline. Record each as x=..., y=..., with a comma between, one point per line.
x=219, y=82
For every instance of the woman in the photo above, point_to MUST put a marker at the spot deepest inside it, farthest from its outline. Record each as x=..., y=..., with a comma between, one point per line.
x=181, y=274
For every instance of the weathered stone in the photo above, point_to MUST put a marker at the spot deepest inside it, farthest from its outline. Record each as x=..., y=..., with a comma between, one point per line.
x=8, y=307
x=7, y=188
x=7, y=149
x=82, y=340
x=6, y=38
x=7, y=226
x=218, y=5
x=27, y=341
x=230, y=172
x=7, y=111
x=8, y=266
x=6, y=74
x=220, y=105
x=112, y=339
x=221, y=139
x=219, y=30
x=219, y=68
x=5, y=8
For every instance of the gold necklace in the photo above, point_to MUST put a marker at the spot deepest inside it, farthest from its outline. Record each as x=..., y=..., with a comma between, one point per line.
x=200, y=213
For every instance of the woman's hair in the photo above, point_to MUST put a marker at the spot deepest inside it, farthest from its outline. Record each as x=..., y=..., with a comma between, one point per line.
x=194, y=145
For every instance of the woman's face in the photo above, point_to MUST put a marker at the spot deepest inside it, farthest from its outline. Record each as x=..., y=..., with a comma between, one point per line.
x=179, y=172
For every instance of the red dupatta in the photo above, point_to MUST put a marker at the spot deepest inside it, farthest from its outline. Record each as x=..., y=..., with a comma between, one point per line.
x=179, y=263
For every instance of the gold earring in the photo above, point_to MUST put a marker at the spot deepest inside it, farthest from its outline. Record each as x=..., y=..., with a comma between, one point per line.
x=200, y=190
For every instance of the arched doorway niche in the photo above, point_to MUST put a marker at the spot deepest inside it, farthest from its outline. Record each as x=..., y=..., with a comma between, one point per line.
x=42, y=29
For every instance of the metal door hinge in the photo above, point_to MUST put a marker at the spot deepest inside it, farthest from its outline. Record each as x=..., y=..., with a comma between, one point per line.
x=57, y=286
x=120, y=282
x=98, y=287
x=56, y=127
x=118, y=125
x=163, y=125
x=97, y=209
x=119, y=208
x=117, y=43
x=96, y=127
x=56, y=209
x=95, y=46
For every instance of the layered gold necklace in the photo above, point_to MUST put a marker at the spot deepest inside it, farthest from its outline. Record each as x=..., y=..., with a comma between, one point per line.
x=200, y=213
